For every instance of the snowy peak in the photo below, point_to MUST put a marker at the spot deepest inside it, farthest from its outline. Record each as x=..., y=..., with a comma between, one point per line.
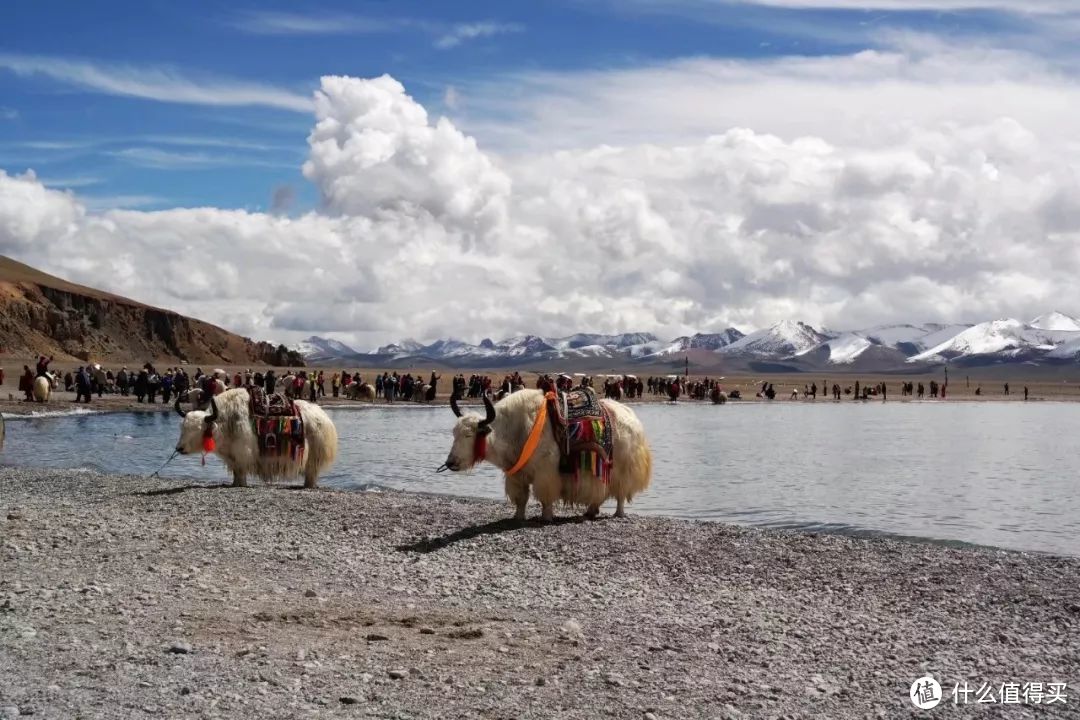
x=524, y=345
x=846, y=348
x=1051, y=338
x=710, y=341
x=1056, y=321
x=1068, y=350
x=404, y=347
x=1009, y=337
x=316, y=348
x=782, y=340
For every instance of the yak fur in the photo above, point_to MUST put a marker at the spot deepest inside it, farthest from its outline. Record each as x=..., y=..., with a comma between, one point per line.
x=42, y=389
x=515, y=414
x=238, y=447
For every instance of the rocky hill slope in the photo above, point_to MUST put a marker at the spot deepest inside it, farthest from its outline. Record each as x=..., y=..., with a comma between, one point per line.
x=42, y=314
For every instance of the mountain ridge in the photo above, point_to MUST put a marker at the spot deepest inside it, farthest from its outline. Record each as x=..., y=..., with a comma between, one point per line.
x=790, y=345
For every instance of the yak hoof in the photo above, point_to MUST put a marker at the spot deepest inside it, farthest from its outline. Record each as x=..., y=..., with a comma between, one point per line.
x=592, y=512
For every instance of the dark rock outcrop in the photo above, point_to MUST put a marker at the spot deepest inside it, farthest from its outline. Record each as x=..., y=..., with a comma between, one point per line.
x=40, y=314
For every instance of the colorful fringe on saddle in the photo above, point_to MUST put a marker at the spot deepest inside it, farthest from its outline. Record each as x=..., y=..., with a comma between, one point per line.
x=594, y=431
x=280, y=437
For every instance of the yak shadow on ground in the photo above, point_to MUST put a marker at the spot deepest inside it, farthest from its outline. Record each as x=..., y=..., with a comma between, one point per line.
x=185, y=488
x=180, y=489
x=495, y=527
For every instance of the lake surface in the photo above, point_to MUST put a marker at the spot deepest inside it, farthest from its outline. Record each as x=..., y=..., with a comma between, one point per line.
x=1000, y=474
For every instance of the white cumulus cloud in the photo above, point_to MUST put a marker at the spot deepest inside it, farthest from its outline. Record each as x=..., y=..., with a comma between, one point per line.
x=851, y=217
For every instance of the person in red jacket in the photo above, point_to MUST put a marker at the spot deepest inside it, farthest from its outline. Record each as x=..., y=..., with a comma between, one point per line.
x=43, y=365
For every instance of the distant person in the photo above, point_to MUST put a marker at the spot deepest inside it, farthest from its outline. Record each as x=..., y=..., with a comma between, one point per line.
x=1025, y=392
x=153, y=384
x=884, y=393
x=83, y=386
x=1006, y=388
x=26, y=383
x=166, y=386
x=99, y=381
x=141, y=385
x=43, y=365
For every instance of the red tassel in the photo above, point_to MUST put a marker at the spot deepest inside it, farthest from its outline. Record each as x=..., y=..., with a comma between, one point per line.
x=207, y=442
x=479, y=448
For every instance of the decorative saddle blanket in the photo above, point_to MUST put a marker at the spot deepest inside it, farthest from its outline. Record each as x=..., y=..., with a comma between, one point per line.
x=582, y=427
x=278, y=425
x=276, y=405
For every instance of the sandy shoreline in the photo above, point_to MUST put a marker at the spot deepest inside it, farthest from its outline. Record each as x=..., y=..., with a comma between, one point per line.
x=121, y=597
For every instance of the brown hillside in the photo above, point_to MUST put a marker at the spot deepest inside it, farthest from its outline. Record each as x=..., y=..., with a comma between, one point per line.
x=42, y=314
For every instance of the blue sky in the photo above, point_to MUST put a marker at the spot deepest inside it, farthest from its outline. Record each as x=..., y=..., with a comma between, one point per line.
x=117, y=150
x=706, y=163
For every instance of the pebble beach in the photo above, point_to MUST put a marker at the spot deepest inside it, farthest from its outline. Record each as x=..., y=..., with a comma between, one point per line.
x=124, y=597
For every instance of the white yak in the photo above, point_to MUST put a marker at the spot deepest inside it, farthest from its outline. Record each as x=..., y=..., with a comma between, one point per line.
x=229, y=422
x=356, y=391
x=194, y=395
x=42, y=389
x=500, y=436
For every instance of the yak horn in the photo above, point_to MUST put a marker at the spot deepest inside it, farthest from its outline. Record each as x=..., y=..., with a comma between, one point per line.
x=454, y=406
x=179, y=412
x=490, y=411
x=213, y=414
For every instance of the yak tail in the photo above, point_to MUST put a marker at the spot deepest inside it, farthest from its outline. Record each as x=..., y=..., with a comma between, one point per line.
x=321, y=444
x=639, y=477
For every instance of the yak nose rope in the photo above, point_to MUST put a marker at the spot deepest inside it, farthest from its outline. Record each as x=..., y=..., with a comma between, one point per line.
x=175, y=453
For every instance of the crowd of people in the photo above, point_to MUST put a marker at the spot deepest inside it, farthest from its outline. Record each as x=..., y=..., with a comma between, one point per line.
x=147, y=385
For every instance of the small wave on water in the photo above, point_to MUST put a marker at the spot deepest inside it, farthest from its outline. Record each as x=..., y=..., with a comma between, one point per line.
x=52, y=413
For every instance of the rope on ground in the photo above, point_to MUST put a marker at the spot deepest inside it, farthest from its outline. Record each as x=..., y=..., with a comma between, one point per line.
x=175, y=453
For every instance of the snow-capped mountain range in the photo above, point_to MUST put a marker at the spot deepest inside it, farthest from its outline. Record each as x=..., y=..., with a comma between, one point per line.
x=1053, y=338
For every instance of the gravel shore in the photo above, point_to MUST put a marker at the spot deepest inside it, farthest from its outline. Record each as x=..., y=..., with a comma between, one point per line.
x=122, y=597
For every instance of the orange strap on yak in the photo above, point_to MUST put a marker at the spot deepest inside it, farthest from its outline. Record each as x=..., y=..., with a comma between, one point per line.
x=534, y=437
